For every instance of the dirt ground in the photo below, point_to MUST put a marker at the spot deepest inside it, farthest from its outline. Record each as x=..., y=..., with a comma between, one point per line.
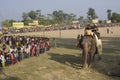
x=72, y=33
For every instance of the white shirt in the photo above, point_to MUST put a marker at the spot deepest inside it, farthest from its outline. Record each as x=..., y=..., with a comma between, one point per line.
x=2, y=58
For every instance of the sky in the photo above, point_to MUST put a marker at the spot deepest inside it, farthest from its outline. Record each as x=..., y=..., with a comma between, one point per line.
x=13, y=9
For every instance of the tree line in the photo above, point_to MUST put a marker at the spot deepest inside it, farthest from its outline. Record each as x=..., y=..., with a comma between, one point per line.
x=60, y=17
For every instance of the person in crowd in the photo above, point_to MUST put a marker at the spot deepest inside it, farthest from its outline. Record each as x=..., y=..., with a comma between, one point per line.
x=47, y=44
x=4, y=47
x=15, y=56
x=2, y=60
x=10, y=41
x=33, y=51
x=38, y=49
x=55, y=42
x=19, y=53
x=27, y=51
x=22, y=52
x=12, y=57
x=11, y=49
x=8, y=60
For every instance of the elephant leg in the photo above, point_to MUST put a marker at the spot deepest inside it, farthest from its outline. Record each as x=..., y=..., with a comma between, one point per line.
x=82, y=58
x=85, y=61
x=91, y=59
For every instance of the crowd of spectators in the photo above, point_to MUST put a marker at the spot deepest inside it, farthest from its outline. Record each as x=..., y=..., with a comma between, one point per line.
x=53, y=28
x=21, y=47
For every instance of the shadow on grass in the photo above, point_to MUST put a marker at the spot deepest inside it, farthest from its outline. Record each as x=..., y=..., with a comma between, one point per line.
x=6, y=77
x=11, y=78
x=70, y=60
x=109, y=63
x=66, y=43
x=111, y=45
x=110, y=58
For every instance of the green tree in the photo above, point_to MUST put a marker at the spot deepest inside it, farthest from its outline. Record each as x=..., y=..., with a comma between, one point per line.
x=38, y=13
x=115, y=17
x=91, y=14
x=72, y=16
x=80, y=19
x=32, y=15
x=61, y=17
x=58, y=16
x=50, y=16
x=11, y=22
x=109, y=14
x=24, y=16
x=6, y=23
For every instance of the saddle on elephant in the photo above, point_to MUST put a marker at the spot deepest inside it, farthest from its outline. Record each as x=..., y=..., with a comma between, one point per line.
x=88, y=35
x=93, y=36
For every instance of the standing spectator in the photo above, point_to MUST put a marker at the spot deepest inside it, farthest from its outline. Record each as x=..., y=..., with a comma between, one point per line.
x=27, y=51
x=22, y=52
x=10, y=41
x=55, y=43
x=37, y=49
x=4, y=47
x=11, y=49
x=47, y=44
x=15, y=56
x=19, y=53
x=108, y=31
x=12, y=57
x=8, y=60
x=2, y=60
x=33, y=51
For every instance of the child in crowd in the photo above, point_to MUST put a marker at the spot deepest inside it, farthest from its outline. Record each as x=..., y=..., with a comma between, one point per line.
x=37, y=49
x=12, y=57
x=33, y=51
x=2, y=60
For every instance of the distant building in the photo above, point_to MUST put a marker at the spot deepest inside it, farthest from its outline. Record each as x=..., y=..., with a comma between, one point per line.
x=34, y=23
x=18, y=25
x=95, y=21
x=108, y=21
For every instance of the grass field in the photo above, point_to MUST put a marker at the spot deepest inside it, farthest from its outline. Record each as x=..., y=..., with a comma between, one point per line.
x=64, y=63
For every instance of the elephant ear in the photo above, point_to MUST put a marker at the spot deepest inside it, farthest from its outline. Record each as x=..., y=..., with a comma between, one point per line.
x=82, y=36
x=78, y=37
x=79, y=40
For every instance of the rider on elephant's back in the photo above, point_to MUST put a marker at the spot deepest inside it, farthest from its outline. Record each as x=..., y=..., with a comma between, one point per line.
x=95, y=30
x=90, y=30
